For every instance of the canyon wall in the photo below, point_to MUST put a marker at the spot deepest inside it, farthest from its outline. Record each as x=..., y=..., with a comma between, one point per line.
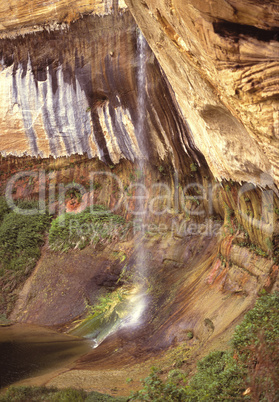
x=70, y=88
x=222, y=60
x=75, y=91
x=21, y=16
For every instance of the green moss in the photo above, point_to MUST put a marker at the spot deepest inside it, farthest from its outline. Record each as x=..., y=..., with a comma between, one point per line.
x=190, y=335
x=208, y=323
x=37, y=394
x=103, y=315
x=268, y=243
x=193, y=167
x=96, y=185
x=193, y=199
x=4, y=209
x=21, y=237
x=72, y=230
x=258, y=250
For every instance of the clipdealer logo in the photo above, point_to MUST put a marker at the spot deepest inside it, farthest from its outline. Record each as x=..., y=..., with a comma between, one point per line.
x=155, y=200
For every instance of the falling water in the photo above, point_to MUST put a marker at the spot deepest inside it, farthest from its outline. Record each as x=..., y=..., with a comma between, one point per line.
x=141, y=81
x=129, y=312
x=139, y=299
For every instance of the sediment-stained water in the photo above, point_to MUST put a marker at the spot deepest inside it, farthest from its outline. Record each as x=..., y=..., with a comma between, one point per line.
x=28, y=351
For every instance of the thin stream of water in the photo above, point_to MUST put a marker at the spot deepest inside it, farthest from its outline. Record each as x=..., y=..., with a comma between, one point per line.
x=141, y=82
x=139, y=300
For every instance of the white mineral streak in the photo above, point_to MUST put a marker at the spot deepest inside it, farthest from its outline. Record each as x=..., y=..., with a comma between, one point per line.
x=58, y=123
x=111, y=139
x=128, y=131
x=10, y=112
x=162, y=148
x=25, y=94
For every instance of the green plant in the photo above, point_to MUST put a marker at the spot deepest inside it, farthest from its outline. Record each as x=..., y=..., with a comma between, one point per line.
x=96, y=185
x=251, y=362
x=268, y=243
x=84, y=228
x=193, y=167
x=4, y=320
x=219, y=377
x=4, y=209
x=258, y=250
x=139, y=174
x=255, y=343
x=193, y=199
x=21, y=237
x=37, y=394
x=229, y=218
x=74, y=193
x=103, y=304
x=190, y=335
x=155, y=390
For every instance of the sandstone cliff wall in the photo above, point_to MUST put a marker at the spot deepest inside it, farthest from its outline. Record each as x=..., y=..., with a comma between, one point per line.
x=76, y=91
x=222, y=60
x=70, y=85
x=21, y=16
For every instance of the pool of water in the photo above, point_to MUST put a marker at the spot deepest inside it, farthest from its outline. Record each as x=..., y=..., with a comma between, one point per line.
x=28, y=351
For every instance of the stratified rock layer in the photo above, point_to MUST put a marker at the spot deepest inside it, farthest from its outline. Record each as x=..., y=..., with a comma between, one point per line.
x=79, y=90
x=19, y=16
x=222, y=60
x=76, y=91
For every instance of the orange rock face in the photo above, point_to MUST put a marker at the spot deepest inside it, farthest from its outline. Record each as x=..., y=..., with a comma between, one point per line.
x=25, y=16
x=76, y=91
x=220, y=57
x=222, y=60
x=82, y=87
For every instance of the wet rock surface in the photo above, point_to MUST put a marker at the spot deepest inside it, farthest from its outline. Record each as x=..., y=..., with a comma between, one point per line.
x=221, y=58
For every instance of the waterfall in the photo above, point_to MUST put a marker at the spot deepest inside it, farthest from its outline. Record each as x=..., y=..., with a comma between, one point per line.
x=139, y=299
x=141, y=82
x=128, y=313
